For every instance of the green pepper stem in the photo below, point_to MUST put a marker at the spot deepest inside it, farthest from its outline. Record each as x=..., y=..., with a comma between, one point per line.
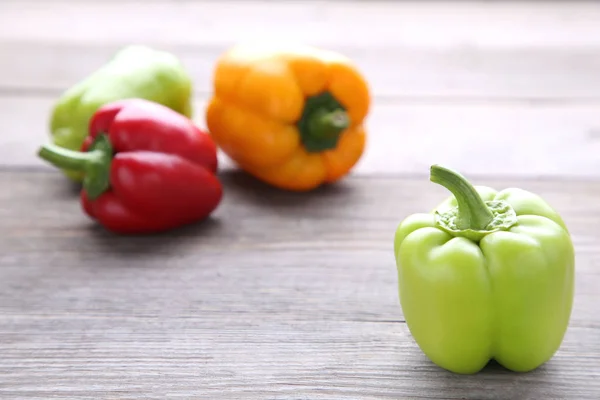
x=68, y=159
x=325, y=124
x=473, y=213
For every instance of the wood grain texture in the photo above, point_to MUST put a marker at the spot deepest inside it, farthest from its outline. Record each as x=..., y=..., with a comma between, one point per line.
x=277, y=296
x=281, y=295
x=507, y=140
x=501, y=88
x=491, y=51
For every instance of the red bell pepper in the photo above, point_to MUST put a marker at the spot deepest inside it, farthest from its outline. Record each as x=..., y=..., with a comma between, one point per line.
x=146, y=168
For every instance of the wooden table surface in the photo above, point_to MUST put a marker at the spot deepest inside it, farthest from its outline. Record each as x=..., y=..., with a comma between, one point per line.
x=281, y=295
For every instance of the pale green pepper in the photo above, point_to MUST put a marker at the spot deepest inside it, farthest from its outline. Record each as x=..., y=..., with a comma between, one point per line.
x=133, y=72
x=486, y=275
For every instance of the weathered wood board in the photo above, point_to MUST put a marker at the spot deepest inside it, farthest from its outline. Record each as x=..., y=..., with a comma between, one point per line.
x=282, y=295
x=277, y=296
x=505, y=88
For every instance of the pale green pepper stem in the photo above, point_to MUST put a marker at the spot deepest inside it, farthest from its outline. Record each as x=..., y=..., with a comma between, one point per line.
x=473, y=213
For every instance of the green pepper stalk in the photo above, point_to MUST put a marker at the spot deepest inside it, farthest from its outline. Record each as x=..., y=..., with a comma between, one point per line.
x=473, y=213
x=473, y=217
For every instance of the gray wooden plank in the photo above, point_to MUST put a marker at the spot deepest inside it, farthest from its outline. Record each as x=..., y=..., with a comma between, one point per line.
x=278, y=295
x=507, y=23
x=541, y=140
x=412, y=73
x=495, y=51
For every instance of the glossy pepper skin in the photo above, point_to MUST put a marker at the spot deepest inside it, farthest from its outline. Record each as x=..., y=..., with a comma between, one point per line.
x=290, y=115
x=146, y=168
x=487, y=275
x=133, y=72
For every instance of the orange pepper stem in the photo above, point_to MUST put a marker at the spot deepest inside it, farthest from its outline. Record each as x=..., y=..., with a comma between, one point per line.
x=327, y=125
x=323, y=121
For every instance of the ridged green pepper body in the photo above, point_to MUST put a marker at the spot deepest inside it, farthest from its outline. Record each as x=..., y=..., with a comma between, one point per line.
x=133, y=72
x=471, y=294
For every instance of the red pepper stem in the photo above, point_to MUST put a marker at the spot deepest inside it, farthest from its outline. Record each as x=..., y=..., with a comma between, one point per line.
x=68, y=159
x=94, y=163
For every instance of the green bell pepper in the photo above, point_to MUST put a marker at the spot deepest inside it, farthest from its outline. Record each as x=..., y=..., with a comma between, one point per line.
x=133, y=72
x=486, y=275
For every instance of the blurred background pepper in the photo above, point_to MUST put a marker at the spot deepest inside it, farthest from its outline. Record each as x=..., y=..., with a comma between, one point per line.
x=290, y=115
x=134, y=72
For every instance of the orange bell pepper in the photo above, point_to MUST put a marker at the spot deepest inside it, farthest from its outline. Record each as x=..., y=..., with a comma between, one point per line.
x=292, y=116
